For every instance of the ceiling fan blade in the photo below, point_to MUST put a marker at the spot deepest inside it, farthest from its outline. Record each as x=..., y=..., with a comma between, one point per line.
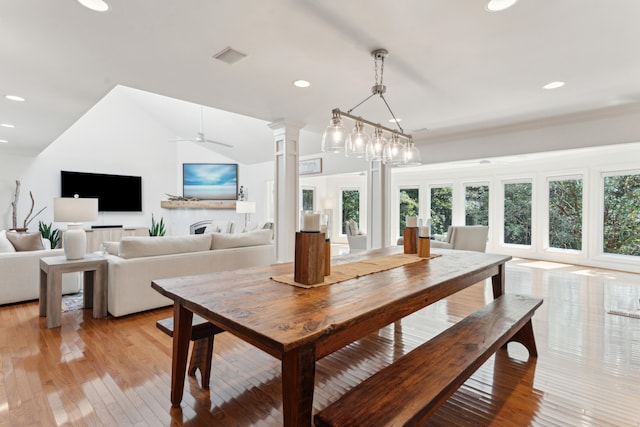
x=219, y=143
x=182, y=140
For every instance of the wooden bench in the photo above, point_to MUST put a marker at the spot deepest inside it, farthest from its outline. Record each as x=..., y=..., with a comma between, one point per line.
x=410, y=390
x=202, y=333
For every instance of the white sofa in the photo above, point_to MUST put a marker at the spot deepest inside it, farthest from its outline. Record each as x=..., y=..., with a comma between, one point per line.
x=20, y=273
x=140, y=260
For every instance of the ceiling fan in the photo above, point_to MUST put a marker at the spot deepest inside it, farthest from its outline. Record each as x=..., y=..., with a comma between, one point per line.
x=200, y=136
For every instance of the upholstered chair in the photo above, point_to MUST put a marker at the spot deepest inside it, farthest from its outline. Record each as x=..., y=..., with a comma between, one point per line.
x=464, y=237
x=357, y=239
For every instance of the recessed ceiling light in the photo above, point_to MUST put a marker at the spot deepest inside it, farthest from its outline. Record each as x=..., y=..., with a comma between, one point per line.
x=95, y=5
x=14, y=98
x=3, y=141
x=7, y=125
x=395, y=120
x=498, y=5
x=553, y=85
x=301, y=83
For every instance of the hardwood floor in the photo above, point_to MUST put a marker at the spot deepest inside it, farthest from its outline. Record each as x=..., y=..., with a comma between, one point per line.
x=116, y=372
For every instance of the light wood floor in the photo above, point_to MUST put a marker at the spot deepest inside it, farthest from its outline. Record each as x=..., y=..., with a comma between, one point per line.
x=116, y=372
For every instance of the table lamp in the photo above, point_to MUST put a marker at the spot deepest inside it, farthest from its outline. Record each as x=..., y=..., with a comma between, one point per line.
x=75, y=211
x=246, y=208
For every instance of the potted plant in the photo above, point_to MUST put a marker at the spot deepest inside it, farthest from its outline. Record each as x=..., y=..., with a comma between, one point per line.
x=157, y=228
x=49, y=233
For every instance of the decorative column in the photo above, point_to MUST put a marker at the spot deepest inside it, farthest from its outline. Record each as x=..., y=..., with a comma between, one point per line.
x=286, y=135
x=378, y=205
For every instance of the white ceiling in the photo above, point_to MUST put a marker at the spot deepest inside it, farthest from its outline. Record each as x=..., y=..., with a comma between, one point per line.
x=451, y=64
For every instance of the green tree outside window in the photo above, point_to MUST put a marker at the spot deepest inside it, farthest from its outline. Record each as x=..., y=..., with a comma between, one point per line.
x=621, y=222
x=517, y=213
x=565, y=214
x=409, y=205
x=476, y=205
x=350, y=207
x=441, y=209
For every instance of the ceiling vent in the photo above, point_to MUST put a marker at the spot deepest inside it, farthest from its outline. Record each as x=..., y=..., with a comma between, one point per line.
x=229, y=55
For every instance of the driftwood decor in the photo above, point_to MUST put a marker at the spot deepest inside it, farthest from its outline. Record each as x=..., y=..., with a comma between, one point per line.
x=181, y=198
x=14, y=207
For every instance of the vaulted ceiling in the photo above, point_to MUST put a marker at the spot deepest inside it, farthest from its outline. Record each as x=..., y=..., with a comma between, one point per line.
x=452, y=65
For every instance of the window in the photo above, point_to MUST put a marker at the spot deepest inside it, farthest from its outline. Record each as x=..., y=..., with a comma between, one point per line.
x=350, y=207
x=517, y=213
x=408, y=205
x=621, y=230
x=565, y=214
x=308, y=199
x=476, y=205
x=441, y=202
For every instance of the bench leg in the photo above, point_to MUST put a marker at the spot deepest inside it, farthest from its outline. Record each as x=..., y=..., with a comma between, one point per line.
x=525, y=337
x=201, y=359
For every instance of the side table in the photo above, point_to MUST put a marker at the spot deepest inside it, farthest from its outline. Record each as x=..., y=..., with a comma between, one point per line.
x=95, y=285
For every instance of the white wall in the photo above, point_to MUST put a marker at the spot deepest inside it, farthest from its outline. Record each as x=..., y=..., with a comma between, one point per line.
x=118, y=137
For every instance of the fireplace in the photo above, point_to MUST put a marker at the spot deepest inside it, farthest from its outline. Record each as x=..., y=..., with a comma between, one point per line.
x=198, y=227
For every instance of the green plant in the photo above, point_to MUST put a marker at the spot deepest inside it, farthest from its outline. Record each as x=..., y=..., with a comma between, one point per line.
x=49, y=233
x=157, y=228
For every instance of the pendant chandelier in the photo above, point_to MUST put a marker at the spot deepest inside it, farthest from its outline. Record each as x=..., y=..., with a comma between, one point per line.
x=397, y=150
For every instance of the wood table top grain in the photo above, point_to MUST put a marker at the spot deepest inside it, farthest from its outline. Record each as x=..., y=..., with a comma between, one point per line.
x=300, y=326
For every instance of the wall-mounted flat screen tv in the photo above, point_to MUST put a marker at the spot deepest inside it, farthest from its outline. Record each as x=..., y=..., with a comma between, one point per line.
x=210, y=181
x=115, y=193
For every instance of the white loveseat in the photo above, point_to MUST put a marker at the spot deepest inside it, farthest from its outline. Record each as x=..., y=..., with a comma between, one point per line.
x=140, y=260
x=20, y=273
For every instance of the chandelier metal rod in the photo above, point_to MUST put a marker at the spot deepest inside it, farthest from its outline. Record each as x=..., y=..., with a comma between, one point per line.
x=375, y=125
x=362, y=102
x=392, y=115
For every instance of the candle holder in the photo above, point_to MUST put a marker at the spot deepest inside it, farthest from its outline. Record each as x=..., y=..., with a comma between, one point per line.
x=326, y=229
x=309, y=266
x=424, y=238
x=411, y=240
x=424, y=247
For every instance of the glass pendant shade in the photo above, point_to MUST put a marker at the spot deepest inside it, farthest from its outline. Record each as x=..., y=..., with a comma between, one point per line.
x=411, y=155
x=376, y=146
x=357, y=142
x=393, y=153
x=333, y=138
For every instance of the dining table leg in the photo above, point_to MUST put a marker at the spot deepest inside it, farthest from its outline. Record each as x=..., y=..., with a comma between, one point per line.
x=298, y=377
x=181, y=333
x=498, y=282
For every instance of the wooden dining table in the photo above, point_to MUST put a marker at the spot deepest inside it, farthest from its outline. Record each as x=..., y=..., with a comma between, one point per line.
x=300, y=326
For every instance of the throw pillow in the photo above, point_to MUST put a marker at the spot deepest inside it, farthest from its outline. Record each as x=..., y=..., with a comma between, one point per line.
x=5, y=244
x=112, y=248
x=23, y=242
x=239, y=240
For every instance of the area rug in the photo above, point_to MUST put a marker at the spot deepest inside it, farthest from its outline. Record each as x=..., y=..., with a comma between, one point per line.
x=73, y=301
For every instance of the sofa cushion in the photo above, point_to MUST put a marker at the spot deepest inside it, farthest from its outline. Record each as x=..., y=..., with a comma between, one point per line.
x=239, y=240
x=137, y=247
x=112, y=248
x=5, y=244
x=23, y=242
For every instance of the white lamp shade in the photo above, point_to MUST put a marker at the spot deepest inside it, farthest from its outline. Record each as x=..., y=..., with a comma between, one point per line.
x=70, y=209
x=245, y=207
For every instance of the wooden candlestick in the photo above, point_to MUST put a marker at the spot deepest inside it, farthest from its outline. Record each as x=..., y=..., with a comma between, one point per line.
x=327, y=257
x=309, y=258
x=411, y=240
x=424, y=247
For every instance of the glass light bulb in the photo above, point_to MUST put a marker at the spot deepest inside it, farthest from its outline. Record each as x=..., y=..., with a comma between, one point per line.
x=333, y=138
x=357, y=141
